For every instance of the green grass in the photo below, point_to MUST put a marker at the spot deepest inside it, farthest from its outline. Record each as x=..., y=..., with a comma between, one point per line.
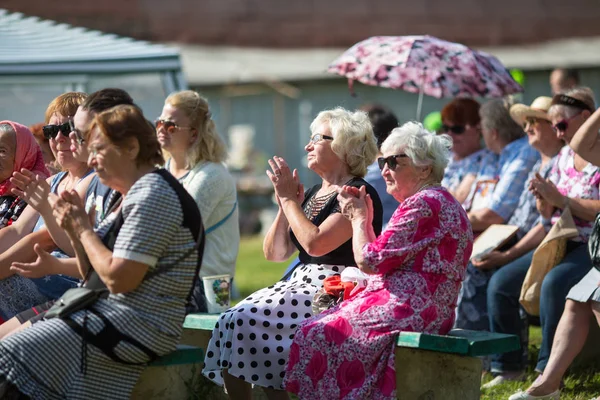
x=254, y=272
x=580, y=383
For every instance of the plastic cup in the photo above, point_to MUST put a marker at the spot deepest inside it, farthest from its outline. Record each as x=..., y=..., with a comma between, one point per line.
x=217, y=289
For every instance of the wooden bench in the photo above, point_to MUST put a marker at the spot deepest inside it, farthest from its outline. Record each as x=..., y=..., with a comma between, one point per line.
x=171, y=376
x=428, y=367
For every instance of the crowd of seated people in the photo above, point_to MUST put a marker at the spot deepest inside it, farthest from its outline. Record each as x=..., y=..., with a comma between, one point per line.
x=139, y=212
x=112, y=222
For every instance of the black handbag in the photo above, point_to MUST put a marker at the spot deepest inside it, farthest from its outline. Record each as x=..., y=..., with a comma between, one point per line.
x=73, y=300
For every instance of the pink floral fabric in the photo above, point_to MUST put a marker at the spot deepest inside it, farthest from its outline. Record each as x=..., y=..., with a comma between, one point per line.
x=584, y=184
x=421, y=258
x=441, y=68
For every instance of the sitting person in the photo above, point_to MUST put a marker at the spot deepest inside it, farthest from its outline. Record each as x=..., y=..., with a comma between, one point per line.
x=251, y=341
x=196, y=153
x=460, y=120
x=149, y=274
x=16, y=244
x=495, y=193
x=572, y=182
x=383, y=121
x=416, y=267
x=99, y=199
x=18, y=149
x=472, y=304
x=583, y=299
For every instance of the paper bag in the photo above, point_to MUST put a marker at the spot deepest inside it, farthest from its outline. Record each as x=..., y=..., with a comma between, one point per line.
x=548, y=254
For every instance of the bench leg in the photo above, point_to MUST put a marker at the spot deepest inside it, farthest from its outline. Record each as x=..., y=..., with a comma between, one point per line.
x=430, y=375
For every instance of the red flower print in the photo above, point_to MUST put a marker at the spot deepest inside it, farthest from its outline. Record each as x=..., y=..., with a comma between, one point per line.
x=305, y=328
x=377, y=298
x=337, y=331
x=433, y=281
x=388, y=382
x=316, y=367
x=429, y=315
x=447, y=325
x=403, y=311
x=447, y=249
x=294, y=355
x=350, y=375
x=293, y=387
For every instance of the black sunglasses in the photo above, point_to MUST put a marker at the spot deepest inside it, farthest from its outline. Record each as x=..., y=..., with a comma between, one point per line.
x=456, y=129
x=390, y=161
x=51, y=131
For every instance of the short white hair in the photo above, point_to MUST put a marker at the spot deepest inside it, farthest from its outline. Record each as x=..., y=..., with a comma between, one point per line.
x=424, y=148
x=354, y=141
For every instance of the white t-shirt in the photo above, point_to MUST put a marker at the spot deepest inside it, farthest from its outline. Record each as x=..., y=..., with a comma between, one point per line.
x=213, y=188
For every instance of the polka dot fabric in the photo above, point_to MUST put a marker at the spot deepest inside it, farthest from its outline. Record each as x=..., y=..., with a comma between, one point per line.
x=252, y=340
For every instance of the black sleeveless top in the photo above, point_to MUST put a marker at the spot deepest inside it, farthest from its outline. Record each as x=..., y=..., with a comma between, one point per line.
x=343, y=255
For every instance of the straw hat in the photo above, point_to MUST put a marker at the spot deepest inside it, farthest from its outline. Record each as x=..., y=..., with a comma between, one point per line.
x=538, y=109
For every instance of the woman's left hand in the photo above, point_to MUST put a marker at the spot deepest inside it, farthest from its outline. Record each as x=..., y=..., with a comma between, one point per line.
x=545, y=189
x=286, y=184
x=70, y=214
x=355, y=203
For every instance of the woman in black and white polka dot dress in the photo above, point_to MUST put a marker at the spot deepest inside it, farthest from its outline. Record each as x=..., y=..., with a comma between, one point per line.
x=250, y=343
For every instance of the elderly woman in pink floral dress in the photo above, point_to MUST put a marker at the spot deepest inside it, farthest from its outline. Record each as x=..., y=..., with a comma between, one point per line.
x=416, y=267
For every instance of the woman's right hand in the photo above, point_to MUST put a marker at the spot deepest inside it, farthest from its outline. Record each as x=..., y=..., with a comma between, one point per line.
x=45, y=264
x=33, y=189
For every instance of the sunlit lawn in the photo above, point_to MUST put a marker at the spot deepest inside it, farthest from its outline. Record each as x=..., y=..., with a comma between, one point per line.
x=254, y=272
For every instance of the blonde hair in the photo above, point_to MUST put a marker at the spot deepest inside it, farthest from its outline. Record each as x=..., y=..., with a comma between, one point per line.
x=66, y=105
x=354, y=141
x=208, y=145
x=424, y=148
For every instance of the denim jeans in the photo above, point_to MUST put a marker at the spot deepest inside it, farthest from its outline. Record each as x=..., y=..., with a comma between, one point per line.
x=503, y=302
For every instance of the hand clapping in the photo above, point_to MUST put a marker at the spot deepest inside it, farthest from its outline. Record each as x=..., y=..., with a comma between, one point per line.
x=70, y=214
x=285, y=182
x=544, y=189
x=33, y=189
x=355, y=203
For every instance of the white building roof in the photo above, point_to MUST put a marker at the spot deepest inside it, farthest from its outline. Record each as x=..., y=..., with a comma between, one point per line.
x=30, y=45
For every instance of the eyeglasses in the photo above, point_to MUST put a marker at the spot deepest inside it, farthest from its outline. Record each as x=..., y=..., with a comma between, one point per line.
x=391, y=161
x=96, y=149
x=51, y=131
x=456, y=129
x=318, y=137
x=563, y=125
x=169, y=126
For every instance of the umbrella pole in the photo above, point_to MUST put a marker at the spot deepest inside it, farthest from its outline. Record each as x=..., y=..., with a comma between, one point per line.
x=420, y=104
x=421, y=90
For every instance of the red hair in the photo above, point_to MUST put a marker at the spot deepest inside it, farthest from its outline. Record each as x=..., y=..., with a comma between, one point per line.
x=461, y=112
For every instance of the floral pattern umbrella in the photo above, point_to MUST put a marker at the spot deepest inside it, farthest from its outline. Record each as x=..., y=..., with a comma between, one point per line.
x=425, y=65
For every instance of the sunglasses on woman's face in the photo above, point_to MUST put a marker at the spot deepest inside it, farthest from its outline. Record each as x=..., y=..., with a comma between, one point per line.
x=169, y=126
x=391, y=161
x=456, y=129
x=563, y=125
x=51, y=131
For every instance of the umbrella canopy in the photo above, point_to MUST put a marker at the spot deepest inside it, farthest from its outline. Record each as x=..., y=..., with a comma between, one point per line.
x=426, y=65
